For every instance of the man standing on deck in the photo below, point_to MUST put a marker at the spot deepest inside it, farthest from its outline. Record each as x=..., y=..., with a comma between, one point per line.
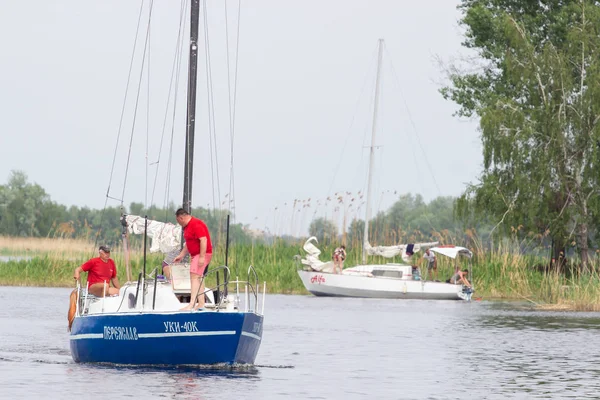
x=100, y=271
x=199, y=247
x=431, y=264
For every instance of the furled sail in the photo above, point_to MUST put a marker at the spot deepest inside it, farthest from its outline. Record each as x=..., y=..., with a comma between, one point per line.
x=165, y=236
x=392, y=251
x=312, y=257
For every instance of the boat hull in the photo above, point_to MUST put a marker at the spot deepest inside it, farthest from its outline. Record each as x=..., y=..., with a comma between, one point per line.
x=171, y=338
x=325, y=284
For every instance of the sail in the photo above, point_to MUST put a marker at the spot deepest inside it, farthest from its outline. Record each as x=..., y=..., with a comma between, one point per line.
x=165, y=236
x=312, y=258
x=392, y=251
x=453, y=251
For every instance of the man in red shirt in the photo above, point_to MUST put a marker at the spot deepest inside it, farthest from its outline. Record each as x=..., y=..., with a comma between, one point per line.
x=100, y=271
x=199, y=247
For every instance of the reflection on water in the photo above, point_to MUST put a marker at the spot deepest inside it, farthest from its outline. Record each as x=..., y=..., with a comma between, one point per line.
x=328, y=348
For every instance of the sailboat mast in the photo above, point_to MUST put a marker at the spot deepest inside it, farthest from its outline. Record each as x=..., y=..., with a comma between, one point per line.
x=191, y=107
x=372, y=153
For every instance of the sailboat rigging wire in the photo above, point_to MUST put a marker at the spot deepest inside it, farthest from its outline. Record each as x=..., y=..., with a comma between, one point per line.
x=174, y=70
x=416, y=136
x=364, y=85
x=137, y=100
x=413, y=123
x=231, y=199
x=211, y=111
x=137, y=30
x=147, y=113
x=112, y=169
x=177, y=76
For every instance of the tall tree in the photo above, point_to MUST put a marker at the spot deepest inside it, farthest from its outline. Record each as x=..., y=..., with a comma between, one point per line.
x=538, y=98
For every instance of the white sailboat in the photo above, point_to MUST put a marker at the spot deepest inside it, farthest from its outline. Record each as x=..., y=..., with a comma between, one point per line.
x=391, y=280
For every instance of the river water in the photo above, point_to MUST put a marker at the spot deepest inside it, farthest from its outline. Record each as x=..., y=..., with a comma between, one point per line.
x=327, y=348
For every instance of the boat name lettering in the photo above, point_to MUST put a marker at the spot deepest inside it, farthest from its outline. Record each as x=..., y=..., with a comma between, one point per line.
x=175, y=326
x=120, y=333
x=317, y=279
x=256, y=327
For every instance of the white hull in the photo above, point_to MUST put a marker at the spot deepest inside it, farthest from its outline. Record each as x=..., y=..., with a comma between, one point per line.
x=326, y=284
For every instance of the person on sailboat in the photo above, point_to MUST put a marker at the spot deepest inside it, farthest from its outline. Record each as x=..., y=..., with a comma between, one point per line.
x=199, y=247
x=101, y=270
x=339, y=255
x=460, y=277
x=169, y=259
x=431, y=264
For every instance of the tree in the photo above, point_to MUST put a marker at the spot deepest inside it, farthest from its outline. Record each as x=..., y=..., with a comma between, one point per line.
x=538, y=100
x=323, y=229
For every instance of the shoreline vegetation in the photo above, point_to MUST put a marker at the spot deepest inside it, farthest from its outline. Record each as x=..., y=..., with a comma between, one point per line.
x=498, y=274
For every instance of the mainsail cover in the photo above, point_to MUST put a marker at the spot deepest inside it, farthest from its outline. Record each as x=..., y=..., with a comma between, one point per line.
x=165, y=236
x=392, y=251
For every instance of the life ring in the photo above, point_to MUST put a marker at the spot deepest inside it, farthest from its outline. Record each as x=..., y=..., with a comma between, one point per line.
x=72, y=308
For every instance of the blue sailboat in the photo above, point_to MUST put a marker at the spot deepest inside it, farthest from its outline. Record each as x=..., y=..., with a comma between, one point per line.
x=143, y=325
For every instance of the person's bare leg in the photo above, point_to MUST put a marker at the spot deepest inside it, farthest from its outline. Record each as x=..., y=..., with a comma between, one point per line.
x=97, y=289
x=167, y=272
x=112, y=291
x=200, y=295
x=195, y=286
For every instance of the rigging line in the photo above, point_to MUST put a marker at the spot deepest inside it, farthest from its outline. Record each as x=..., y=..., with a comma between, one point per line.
x=177, y=76
x=136, y=104
x=211, y=111
x=137, y=30
x=237, y=48
x=412, y=121
x=351, y=123
x=416, y=137
x=171, y=82
x=231, y=106
x=147, y=113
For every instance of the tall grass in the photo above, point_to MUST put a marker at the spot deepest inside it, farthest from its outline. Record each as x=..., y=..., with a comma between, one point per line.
x=498, y=273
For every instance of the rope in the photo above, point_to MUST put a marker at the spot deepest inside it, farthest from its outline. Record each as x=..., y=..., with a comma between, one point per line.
x=147, y=114
x=120, y=128
x=412, y=122
x=136, y=103
x=232, y=108
x=172, y=82
x=211, y=110
x=416, y=137
x=124, y=103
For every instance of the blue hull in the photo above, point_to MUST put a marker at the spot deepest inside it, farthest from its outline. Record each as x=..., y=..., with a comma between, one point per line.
x=179, y=338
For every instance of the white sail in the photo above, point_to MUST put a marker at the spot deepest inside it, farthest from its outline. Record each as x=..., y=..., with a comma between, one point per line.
x=392, y=251
x=165, y=236
x=312, y=257
x=453, y=251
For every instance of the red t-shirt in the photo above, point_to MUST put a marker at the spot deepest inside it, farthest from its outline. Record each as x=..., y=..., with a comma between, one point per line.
x=193, y=231
x=99, y=271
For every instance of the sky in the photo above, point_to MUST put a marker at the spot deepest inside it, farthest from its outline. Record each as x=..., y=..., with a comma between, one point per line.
x=304, y=98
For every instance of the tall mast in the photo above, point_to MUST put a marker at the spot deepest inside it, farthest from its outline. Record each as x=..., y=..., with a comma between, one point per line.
x=191, y=107
x=372, y=153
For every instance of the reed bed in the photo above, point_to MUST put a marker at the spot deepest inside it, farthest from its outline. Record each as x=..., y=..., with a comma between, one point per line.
x=498, y=273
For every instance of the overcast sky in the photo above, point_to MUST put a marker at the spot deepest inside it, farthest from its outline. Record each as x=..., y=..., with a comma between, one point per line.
x=303, y=115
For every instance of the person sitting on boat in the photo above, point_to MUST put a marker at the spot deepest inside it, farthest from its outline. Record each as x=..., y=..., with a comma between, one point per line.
x=199, y=247
x=429, y=256
x=460, y=277
x=101, y=270
x=168, y=260
x=339, y=255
